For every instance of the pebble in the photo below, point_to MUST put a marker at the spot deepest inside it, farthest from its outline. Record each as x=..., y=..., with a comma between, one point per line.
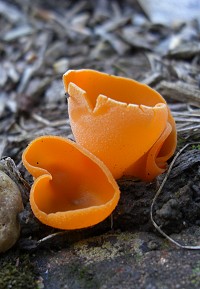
x=10, y=206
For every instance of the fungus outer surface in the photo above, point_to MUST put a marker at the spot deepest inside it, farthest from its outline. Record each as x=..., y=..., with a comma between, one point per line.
x=124, y=123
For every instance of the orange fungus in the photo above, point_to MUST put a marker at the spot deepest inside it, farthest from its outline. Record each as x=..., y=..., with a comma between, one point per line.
x=72, y=189
x=124, y=123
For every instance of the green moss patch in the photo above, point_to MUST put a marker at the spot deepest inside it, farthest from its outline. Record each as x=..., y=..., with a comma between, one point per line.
x=18, y=273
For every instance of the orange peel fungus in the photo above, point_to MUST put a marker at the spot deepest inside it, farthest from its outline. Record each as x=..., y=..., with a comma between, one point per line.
x=124, y=123
x=72, y=188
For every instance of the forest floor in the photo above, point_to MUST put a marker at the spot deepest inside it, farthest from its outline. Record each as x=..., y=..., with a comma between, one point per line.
x=158, y=46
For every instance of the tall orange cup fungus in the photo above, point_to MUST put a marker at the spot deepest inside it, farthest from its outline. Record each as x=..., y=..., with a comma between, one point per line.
x=124, y=123
x=72, y=188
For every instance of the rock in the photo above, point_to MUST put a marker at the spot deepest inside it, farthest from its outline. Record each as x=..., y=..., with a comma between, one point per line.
x=10, y=206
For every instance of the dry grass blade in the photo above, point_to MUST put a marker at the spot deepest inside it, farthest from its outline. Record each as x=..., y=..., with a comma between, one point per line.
x=46, y=122
x=158, y=193
x=39, y=242
x=187, y=121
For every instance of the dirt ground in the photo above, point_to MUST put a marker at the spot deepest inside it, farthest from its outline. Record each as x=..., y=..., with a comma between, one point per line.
x=39, y=42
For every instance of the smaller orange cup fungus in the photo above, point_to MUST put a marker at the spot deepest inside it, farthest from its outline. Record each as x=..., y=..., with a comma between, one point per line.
x=124, y=123
x=72, y=188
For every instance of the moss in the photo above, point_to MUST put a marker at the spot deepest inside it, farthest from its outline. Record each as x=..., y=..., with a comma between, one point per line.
x=17, y=273
x=111, y=246
x=181, y=142
x=197, y=147
x=195, y=276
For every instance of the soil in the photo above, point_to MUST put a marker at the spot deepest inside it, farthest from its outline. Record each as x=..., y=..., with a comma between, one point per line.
x=125, y=251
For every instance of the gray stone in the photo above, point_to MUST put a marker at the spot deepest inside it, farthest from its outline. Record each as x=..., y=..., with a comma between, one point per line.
x=10, y=206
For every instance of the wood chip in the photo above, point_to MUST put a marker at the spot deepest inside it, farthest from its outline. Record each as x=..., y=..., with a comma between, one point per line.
x=169, y=11
x=185, y=50
x=153, y=79
x=179, y=91
x=10, y=12
x=4, y=76
x=17, y=32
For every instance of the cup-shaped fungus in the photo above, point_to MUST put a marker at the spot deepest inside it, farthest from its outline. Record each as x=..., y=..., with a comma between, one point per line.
x=72, y=188
x=124, y=123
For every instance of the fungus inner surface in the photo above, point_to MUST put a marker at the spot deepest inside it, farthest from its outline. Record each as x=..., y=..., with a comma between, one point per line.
x=73, y=179
x=121, y=89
